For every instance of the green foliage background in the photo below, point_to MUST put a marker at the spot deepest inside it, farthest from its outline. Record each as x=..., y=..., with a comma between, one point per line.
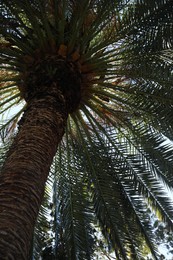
x=115, y=161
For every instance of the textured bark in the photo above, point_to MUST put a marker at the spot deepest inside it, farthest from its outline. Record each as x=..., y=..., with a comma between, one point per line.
x=24, y=174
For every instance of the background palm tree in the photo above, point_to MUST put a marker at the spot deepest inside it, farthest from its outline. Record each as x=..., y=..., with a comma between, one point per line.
x=100, y=72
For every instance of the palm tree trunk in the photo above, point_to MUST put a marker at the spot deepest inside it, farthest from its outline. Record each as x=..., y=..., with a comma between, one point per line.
x=25, y=171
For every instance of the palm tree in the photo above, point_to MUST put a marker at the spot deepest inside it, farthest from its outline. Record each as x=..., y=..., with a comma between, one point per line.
x=99, y=71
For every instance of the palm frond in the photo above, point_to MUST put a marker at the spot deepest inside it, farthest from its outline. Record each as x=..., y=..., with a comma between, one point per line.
x=43, y=235
x=73, y=216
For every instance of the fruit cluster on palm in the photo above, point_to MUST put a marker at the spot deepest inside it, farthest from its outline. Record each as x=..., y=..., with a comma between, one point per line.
x=95, y=81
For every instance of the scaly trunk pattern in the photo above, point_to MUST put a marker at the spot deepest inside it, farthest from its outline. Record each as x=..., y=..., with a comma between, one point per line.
x=25, y=172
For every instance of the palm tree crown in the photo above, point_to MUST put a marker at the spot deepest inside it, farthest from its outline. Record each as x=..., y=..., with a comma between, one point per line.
x=109, y=65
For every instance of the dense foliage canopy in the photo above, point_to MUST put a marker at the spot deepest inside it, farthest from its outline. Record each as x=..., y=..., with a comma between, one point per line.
x=114, y=62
